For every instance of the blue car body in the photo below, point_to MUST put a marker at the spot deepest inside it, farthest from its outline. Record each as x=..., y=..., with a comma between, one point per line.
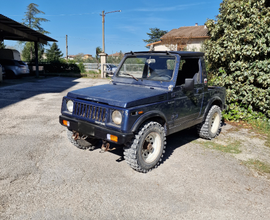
x=169, y=95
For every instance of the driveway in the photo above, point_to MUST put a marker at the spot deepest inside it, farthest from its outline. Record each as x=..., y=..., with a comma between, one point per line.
x=43, y=176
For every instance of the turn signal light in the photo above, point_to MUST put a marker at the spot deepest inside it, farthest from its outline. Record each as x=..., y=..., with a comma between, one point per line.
x=66, y=123
x=112, y=138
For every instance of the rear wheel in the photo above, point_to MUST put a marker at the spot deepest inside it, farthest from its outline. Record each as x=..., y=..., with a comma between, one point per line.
x=80, y=142
x=210, y=128
x=147, y=149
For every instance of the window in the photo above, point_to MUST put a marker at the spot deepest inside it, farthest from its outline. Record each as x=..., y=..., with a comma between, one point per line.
x=148, y=67
x=189, y=68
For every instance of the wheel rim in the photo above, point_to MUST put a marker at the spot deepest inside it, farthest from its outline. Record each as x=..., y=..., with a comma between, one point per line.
x=215, y=123
x=151, y=147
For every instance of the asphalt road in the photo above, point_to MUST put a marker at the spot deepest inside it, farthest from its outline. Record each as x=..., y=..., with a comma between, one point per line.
x=43, y=176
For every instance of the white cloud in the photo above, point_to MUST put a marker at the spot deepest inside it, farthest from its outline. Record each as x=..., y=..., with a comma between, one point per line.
x=166, y=9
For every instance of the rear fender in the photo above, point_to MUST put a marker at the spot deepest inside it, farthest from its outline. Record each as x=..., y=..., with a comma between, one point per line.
x=213, y=101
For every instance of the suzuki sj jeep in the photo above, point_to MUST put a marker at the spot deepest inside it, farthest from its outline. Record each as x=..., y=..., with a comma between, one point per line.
x=151, y=95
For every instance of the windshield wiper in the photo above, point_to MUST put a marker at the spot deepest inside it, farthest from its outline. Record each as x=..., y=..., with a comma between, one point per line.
x=131, y=76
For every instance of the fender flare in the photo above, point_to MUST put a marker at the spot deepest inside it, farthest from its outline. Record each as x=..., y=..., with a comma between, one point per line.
x=210, y=103
x=145, y=117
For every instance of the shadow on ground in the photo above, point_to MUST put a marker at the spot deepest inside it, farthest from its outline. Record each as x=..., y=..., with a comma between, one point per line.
x=16, y=90
x=173, y=142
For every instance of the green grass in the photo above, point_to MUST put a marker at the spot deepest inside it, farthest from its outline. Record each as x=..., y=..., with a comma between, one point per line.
x=259, y=126
x=233, y=148
x=258, y=165
x=262, y=127
x=91, y=74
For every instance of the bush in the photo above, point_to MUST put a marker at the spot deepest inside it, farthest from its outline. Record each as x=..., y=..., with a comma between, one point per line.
x=59, y=67
x=238, y=53
x=81, y=67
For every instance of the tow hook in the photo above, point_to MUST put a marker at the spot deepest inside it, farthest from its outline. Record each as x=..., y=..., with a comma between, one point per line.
x=75, y=136
x=105, y=147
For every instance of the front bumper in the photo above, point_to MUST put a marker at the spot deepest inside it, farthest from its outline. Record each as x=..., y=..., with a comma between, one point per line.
x=89, y=129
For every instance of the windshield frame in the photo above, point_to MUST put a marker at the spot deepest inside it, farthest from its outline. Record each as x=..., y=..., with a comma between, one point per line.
x=145, y=81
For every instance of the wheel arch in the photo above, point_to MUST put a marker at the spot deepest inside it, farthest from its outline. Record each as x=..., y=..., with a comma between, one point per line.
x=214, y=101
x=150, y=116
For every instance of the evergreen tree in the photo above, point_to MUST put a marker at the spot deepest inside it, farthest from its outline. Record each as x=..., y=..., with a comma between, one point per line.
x=28, y=50
x=54, y=53
x=154, y=35
x=32, y=21
x=239, y=56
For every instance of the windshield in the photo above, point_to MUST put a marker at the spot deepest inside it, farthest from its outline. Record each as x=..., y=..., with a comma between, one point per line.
x=148, y=67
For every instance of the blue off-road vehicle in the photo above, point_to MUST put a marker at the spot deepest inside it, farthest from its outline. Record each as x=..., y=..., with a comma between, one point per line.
x=151, y=95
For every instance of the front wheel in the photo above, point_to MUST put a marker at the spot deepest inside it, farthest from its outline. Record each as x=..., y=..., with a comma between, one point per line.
x=147, y=149
x=210, y=128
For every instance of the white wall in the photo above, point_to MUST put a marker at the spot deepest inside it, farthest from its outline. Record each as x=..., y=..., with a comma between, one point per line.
x=161, y=47
x=195, y=44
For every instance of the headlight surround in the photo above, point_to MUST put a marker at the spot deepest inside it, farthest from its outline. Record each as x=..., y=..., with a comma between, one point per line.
x=117, y=117
x=70, y=106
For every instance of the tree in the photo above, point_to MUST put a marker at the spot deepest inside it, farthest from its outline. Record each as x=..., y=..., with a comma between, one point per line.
x=154, y=35
x=115, y=59
x=98, y=51
x=28, y=50
x=2, y=45
x=239, y=56
x=54, y=53
x=79, y=57
x=33, y=22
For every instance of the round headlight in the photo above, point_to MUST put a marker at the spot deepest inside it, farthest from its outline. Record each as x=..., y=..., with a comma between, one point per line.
x=117, y=117
x=70, y=106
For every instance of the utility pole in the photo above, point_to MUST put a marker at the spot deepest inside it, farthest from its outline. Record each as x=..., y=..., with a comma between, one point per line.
x=103, y=28
x=103, y=55
x=66, y=47
x=103, y=32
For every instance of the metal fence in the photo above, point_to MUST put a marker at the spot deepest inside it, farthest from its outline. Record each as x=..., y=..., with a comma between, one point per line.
x=91, y=66
x=97, y=66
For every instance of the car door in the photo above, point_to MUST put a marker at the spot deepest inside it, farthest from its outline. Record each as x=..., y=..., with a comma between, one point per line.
x=187, y=104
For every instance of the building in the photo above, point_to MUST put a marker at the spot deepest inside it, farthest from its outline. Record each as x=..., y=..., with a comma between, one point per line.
x=71, y=57
x=184, y=38
x=117, y=54
x=87, y=56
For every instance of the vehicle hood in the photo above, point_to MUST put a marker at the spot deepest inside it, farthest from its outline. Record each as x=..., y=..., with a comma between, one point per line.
x=125, y=96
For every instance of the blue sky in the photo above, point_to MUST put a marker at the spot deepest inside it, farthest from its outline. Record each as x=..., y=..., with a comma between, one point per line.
x=124, y=30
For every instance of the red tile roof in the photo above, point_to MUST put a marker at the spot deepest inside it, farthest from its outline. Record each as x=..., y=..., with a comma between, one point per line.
x=115, y=54
x=199, y=31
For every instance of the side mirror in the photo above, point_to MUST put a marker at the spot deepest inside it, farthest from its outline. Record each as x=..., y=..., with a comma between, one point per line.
x=189, y=84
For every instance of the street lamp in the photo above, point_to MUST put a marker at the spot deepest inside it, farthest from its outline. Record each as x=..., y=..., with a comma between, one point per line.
x=103, y=32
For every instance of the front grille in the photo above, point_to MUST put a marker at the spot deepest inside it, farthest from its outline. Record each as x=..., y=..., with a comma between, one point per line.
x=90, y=111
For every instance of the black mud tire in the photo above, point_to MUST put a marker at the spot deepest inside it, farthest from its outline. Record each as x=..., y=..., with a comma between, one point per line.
x=211, y=127
x=88, y=144
x=146, y=150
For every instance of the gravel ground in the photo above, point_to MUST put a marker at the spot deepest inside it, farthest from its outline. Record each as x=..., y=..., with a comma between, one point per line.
x=43, y=176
